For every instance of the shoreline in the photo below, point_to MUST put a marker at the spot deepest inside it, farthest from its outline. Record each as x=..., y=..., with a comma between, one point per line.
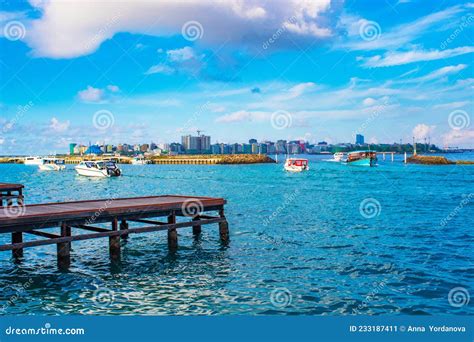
x=210, y=159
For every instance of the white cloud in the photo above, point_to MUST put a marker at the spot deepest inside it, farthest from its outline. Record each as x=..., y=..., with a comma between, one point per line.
x=436, y=74
x=243, y=116
x=295, y=91
x=392, y=58
x=58, y=126
x=422, y=131
x=68, y=29
x=369, y=101
x=396, y=36
x=184, y=60
x=180, y=55
x=97, y=95
x=113, y=88
x=160, y=69
x=451, y=105
x=91, y=94
x=458, y=138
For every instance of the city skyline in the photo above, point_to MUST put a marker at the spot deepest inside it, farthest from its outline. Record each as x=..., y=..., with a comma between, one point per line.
x=202, y=144
x=311, y=72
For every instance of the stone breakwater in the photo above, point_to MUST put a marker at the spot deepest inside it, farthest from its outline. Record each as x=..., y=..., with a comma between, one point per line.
x=436, y=160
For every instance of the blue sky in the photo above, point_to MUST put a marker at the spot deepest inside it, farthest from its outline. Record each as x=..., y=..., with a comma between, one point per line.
x=144, y=71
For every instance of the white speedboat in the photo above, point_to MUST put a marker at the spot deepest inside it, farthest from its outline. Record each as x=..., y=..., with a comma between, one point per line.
x=339, y=156
x=139, y=161
x=33, y=160
x=296, y=165
x=52, y=164
x=99, y=168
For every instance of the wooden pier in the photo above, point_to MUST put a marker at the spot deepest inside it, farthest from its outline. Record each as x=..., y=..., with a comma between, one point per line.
x=73, y=217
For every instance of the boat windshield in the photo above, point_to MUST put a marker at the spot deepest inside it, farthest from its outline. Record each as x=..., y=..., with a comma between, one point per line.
x=298, y=162
x=110, y=164
x=100, y=165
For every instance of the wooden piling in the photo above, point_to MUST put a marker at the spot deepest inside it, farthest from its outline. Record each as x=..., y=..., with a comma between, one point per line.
x=197, y=228
x=114, y=242
x=172, y=233
x=223, y=227
x=124, y=226
x=17, y=237
x=64, y=248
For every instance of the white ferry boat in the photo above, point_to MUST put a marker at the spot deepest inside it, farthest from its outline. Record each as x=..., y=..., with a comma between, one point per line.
x=296, y=165
x=33, y=160
x=52, y=164
x=99, y=168
x=139, y=161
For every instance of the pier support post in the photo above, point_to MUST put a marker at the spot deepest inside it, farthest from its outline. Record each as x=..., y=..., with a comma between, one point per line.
x=64, y=249
x=223, y=227
x=196, y=229
x=9, y=200
x=114, y=242
x=172, y=233
x=17, y=237
x=123, y=226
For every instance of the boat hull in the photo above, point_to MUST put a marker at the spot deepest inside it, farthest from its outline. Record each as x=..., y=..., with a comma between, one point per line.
x=49, y=167
x=91, y=172
x=363, y=162
x=296, y=168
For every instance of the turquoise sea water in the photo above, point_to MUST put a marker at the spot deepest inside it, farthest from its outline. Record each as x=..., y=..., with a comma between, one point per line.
x=300, y=243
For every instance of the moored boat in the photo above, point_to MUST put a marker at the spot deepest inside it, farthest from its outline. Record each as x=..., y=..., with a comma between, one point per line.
x=139, y=161
x=33, y=160
x=362, y=158
x=99, y=168
x=52, y=164
x=338, y=156
x=296, y=165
